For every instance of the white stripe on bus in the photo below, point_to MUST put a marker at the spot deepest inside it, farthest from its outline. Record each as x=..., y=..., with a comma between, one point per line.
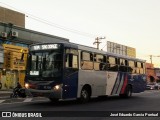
x=116, y=84
x=121, y=84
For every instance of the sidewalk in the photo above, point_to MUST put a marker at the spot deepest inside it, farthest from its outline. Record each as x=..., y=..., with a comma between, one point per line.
x=5, y=94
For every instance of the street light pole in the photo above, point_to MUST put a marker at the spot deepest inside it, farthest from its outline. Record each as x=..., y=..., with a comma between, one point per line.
x=97, y=41
x=151, y=58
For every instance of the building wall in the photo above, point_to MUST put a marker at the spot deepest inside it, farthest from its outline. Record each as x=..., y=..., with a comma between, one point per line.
x=10, y=16
x=150, y=71
x=131, y=52
x=157, y=72
x=13, y=67
x=121, y=49
x=27, y=36
x=12, y=57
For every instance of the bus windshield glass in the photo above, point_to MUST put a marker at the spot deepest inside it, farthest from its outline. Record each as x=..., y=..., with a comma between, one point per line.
x=46, y=63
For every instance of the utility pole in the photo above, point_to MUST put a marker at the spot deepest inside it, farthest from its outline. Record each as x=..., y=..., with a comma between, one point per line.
x=97, y=41
x=151, y=56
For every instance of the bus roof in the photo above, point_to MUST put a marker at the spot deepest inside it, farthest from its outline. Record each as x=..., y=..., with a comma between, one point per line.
x=92, y=49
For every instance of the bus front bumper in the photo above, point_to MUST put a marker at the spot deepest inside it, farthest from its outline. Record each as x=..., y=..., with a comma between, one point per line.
x=54, y=93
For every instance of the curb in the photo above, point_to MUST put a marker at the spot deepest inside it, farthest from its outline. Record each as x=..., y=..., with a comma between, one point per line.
x=5, y=94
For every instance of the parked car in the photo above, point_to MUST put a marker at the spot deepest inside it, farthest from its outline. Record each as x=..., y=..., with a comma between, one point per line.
x=157, y=86
x=150, y=86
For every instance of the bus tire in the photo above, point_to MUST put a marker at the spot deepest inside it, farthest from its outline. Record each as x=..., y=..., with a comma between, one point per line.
x=85, y=95
x=54, y=99
x=128, y=92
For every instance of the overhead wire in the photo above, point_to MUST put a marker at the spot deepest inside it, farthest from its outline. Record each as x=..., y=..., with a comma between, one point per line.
x=51, y=23
x=104, y=46
x=62, y=27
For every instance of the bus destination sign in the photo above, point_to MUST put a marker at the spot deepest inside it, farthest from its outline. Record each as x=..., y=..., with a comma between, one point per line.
x=45, y=47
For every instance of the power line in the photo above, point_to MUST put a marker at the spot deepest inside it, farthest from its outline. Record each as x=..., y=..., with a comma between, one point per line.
x=51, y=24
x=104, y=46
x=151, y=56
x=61, y=27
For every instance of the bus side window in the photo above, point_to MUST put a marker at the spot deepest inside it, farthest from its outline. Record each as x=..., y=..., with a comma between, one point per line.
x=126, y=62
x=71, y=61
x=118, y=61
x=113, y=65
x=86, y=60
x=99, y=62
x=141, y=65
x=122, y=66
x=131, y=68
x=141, y=70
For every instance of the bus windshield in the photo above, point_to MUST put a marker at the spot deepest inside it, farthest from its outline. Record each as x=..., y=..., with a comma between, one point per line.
x=45, y=63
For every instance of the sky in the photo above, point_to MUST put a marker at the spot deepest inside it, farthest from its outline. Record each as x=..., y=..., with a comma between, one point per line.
x=134, y=23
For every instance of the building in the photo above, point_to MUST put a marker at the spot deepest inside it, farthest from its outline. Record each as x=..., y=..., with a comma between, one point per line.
x=121, y=49
x=151, y=73
x=10, y=16
x=157, y=72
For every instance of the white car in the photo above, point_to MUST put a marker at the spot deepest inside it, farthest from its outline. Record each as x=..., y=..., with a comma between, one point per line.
x=157, y=86
x=150, y=86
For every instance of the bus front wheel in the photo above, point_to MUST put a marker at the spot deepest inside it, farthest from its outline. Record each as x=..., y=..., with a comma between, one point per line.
x=85, y=96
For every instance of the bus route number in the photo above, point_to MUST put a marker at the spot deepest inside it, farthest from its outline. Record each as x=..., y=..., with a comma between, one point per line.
x=50, y=46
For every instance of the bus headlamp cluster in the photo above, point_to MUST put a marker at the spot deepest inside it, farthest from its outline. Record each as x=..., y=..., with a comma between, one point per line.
x=26, y=85
x=57, y=87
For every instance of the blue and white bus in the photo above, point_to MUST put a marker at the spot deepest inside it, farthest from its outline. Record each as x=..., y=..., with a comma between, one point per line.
x=67, y=71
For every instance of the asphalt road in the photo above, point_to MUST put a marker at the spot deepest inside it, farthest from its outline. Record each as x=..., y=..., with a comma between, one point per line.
x=149, y=101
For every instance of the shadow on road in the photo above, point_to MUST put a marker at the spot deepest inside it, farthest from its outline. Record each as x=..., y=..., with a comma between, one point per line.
x=76, y=102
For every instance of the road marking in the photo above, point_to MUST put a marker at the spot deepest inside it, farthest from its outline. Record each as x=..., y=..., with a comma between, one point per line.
x=28, y=100
x=2, y=101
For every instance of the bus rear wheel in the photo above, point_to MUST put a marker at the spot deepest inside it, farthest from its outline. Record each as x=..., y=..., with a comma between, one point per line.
x=128, y=92
x=85, y=96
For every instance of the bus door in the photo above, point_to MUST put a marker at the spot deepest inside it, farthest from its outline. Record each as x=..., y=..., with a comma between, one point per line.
x=70, y=81
x=111, y=80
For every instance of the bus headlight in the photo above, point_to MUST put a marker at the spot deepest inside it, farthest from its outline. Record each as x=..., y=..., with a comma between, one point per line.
x=57, y=87
x=26, y=85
